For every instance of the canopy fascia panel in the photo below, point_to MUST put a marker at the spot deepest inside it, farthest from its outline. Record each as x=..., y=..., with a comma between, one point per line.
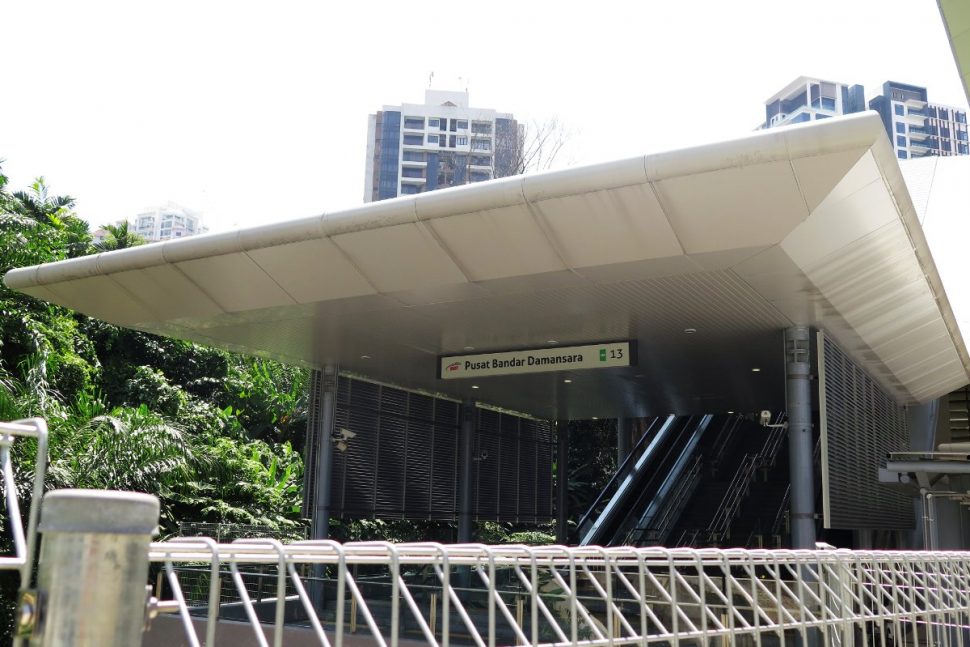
x=809, y=224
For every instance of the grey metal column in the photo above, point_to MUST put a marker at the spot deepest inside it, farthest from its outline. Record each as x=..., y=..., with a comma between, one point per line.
x=326, y=401
x=466, y=445
x=800, y=445
x=562, y=481
x=624, y=426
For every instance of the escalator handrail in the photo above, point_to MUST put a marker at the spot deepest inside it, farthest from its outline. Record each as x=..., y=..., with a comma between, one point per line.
x=624, y=470
x=632, y=466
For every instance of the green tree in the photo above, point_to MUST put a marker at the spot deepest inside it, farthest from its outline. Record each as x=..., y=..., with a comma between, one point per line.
x=119, y=236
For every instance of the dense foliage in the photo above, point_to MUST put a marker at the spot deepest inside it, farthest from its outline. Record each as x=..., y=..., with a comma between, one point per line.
x=210, y=433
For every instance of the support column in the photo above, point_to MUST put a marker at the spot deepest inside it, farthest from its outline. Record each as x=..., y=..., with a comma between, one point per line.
x=562, y=481
x=800, y=443
x=325, y=400
x=466, y=445
x=624, y=428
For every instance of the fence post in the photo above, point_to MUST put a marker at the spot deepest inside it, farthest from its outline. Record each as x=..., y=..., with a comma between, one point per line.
x=93, y=569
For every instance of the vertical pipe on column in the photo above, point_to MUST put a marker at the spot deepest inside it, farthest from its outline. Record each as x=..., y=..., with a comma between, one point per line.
x=800, y=445
x=469, y=419
x=562, y=481
x=326, y=401
x=623, y=428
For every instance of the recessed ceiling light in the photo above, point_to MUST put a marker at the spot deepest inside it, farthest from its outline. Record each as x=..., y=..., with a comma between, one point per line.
x=730, y=412
x=552, y=341
x=469, y=348
x=690, y=331
x=365, y=356
x=756, y=370
x=595, y=418
x=474, y=386
x=568, y=381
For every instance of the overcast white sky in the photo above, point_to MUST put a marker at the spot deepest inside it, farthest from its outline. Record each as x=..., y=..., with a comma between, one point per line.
x=256, y=112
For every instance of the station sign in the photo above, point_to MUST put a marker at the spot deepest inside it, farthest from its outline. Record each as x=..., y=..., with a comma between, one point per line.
x=612, y=354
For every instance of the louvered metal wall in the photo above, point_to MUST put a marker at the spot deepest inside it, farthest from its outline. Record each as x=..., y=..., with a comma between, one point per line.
x=403, y=460
x=512, y=472
x=860, y=424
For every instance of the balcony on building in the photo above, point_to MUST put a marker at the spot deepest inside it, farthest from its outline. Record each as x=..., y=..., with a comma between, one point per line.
x=923, y=148
x=920, y=133
x=913, y=118
x=914, y=104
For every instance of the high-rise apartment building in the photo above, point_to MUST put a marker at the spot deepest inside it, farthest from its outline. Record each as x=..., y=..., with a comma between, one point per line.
x=418, y=147
x=167, y=222
x=917, y=127
x=810, y=99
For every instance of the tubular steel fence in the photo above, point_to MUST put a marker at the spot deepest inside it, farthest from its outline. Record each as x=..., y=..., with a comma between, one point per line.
x=331, y=594
x=552, y=595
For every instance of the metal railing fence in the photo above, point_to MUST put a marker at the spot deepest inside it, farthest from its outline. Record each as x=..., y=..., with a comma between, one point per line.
x=555, y=595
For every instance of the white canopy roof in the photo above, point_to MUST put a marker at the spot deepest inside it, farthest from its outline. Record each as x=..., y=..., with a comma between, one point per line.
x=809, y=224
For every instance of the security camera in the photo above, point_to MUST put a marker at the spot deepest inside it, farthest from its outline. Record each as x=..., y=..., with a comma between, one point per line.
x=765, y=418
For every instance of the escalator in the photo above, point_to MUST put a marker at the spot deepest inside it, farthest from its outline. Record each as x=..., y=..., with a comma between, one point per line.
x=643, y=480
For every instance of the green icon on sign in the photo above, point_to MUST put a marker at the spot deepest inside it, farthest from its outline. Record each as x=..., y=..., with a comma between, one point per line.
x=602, y=354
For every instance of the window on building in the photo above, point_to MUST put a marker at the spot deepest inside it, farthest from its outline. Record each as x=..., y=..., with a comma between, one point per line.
x=481, y=145
x=410, y=171
x=962, y=148
x=900, y=128
x=899, y=109
x=462, y=141
x=417, y=156
x=901, y=141
x=962, y=135
x=478, y=160
x=416, y=123
x=944, y=131
x=410, y=189
x=451, y=141
x=902, y=155
x=480, y=128
x=944, y=114
x=413, y=140
x=462, y=124
x=960, y=117
x=478, y=176
x=432, y=122
x=947, y=146
x=432, y=139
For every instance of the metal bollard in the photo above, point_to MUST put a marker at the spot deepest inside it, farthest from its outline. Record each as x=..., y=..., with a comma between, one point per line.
x=93, y=568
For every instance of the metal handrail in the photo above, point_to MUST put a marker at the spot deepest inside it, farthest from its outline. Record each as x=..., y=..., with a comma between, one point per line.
x=659, y=526
x=723, y=441
x=735, y=493
x=622, y=472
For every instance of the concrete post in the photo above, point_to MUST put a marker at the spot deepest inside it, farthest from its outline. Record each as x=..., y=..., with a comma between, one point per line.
x=93, y=568
x=469, y=422
x=624, y=428
x=326, y=401
x=800, y=443
x=562, y=481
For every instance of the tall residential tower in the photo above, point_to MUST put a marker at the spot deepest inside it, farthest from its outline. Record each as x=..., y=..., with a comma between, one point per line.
x=418, y=147
x=918, y=128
